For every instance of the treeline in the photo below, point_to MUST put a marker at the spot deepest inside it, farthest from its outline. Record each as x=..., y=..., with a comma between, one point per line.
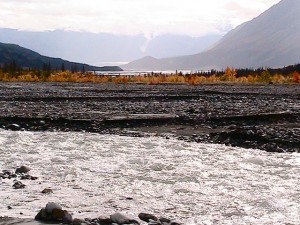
x=243, y=72
x=13, y=72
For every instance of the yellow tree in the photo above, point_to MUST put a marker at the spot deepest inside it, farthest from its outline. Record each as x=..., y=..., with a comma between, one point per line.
x=229, y=74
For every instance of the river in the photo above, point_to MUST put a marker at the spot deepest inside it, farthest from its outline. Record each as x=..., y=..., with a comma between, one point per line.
x=93, y=175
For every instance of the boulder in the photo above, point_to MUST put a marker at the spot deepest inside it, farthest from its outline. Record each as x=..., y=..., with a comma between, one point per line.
x=51, y=206
x=22, y=169
x=54, y=213
x=77, y=221
x=147, y=217
x=58, y=214
x=42, y=215
x=118, y=218
x=104, y=220
x=67, y=218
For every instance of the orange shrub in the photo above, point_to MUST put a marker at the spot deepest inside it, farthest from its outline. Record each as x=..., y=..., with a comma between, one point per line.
x=278, y=79
x=296, y=77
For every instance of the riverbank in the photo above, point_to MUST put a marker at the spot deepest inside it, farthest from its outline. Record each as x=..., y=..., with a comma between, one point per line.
x=258, y=116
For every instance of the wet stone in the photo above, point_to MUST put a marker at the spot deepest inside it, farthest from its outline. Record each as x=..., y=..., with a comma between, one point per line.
x=47, y=191
x=51, y=206
x=53, y=212
x=119, y=219
x=153, y=222
x=104, y=220
x=42, y=122
x=147, y=217
x=18, y=185
x=13, y=127
x=6, y=172
x=67, y=218
x=164, y=220
x=58, y=214
x=77, y=221
x=174, y=223
x=22, y=169
x=42, y=215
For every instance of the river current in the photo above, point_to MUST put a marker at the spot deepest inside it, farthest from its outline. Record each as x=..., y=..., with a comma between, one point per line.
x=192, y=183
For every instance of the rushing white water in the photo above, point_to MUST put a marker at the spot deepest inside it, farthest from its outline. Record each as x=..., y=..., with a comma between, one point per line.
x=93, y=175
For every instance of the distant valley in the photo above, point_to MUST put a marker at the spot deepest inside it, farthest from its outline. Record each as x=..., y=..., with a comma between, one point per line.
x=104, y=48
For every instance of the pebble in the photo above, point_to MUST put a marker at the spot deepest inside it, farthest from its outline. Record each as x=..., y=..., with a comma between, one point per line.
x=42, y=122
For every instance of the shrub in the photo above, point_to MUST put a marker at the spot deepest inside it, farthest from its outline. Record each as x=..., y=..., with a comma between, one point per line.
x=265, y=77
x=296, y=77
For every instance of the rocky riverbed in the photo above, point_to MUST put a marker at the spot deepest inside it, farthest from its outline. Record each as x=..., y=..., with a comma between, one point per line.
x=265, y=117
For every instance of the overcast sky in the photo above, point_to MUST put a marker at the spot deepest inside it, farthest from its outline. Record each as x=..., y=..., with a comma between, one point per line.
x=151, y=17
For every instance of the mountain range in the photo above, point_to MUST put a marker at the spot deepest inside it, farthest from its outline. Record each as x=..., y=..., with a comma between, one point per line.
x=269, y=40
x=106, y=48
x=26, y=58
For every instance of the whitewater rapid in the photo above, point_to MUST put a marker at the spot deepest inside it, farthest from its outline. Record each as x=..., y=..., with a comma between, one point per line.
x=93, y=175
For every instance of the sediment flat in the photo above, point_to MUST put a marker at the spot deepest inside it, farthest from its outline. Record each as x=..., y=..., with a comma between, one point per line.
x=261, y=116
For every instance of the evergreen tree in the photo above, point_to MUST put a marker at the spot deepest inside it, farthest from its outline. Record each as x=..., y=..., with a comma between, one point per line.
x=63, y=67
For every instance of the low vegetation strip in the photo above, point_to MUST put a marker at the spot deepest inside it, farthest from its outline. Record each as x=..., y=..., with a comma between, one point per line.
x=291, y=74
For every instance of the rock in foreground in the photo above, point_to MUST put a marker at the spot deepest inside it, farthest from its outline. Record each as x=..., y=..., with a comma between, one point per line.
x=53, y=213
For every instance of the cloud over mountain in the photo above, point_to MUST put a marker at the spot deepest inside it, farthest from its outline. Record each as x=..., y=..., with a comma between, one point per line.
x=270, y=40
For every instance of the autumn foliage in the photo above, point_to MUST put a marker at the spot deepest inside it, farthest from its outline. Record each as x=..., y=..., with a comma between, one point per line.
x=229, y=75
x=296, y=77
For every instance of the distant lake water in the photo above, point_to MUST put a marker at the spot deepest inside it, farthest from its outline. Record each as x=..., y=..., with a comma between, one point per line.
x=141, y=72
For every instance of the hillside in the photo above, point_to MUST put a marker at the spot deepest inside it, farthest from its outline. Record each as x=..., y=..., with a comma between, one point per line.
x=270, y=40
x=29, y=59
